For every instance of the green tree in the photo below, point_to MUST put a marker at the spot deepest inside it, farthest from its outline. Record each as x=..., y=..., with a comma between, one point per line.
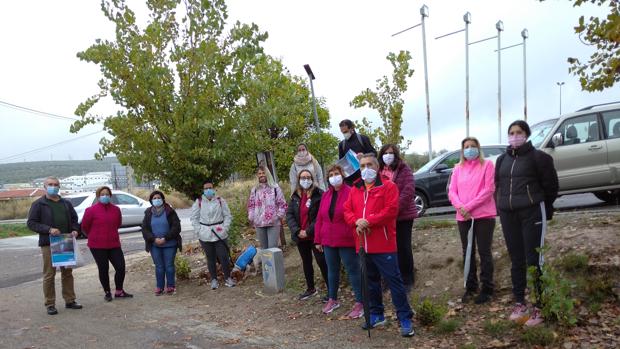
x=602, y=70
x=387, y=101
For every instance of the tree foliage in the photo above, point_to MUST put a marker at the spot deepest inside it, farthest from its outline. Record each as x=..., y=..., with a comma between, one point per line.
x=387, y=100
x=195, y=99
x=602, y=70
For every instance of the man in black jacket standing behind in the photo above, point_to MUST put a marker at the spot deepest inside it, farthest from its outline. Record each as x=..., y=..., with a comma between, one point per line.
x=359, y=143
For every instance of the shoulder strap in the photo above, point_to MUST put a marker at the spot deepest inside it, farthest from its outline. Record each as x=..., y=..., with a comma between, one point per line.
x=219, y=199
x=359, y=138
x=200, y=202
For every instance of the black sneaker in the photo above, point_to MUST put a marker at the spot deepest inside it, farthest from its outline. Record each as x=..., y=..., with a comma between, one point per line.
x=468, y=296
x=51, y=310
x=73, y=305
x=108, y=297
x=483, y=297
x=122, y=294
x=307, y=294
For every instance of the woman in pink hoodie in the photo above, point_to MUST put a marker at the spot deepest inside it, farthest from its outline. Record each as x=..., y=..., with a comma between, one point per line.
x=471, y=192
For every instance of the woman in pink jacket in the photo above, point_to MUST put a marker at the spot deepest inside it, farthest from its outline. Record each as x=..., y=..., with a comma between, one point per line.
x=336, y=238
x=471, y=192
x=100, y=224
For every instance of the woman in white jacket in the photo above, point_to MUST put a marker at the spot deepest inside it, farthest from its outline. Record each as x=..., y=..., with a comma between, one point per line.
x=211, y=220
x=303, y=160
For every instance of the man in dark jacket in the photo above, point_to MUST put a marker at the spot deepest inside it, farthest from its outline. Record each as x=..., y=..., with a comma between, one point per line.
x=359, y=143
x=53, y=215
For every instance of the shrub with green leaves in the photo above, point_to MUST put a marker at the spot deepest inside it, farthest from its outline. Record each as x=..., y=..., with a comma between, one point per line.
x=555, y=295
x=497, y=328
x=182, y=267
x=448, y=326
x=430, y=313
x=538, y=335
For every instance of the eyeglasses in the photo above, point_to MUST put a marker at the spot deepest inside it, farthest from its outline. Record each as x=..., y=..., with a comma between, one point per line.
x=310, y=178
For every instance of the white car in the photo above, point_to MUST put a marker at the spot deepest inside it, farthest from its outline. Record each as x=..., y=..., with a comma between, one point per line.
x=132, y=207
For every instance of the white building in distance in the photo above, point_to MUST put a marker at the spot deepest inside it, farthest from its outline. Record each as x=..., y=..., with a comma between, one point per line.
x=87, y=182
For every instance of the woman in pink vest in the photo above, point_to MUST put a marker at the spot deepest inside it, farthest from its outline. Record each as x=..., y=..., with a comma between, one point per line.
x=100, y=224
x=471, y=192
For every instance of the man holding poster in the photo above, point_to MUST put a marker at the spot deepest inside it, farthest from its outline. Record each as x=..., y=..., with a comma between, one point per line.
x=355, y=143
x=50, y=216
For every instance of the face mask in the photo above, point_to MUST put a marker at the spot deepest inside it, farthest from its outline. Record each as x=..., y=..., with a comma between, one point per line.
x=158, y=202
x=347, y=135
x=52, y=191
x=388, y=159
x=104, y=199
x=369, y=175
x=305, y=183
x=209, y=192
x=516, y=141
x=335, y=180
x=302, y=153
x=470, y=153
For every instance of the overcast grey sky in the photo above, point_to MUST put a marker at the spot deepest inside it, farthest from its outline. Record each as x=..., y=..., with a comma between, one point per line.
x=345, y=42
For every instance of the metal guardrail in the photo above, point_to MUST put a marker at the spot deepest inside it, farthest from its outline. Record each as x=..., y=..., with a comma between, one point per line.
x=13, y=221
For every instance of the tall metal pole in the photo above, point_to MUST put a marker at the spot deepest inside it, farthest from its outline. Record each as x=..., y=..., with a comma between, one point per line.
x=467, y=19
x=524, y=35
x=424, y=14
x=500, y=27
x=560, y=84
x=316, y=116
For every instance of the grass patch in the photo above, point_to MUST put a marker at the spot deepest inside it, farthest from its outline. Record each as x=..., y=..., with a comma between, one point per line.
x=183, y=268
x=448, y=326
x=538, y=335
x=598, y=289
x=573, y=262
x=429, y=313
x=176, y=199
x=468, y=346
x=423, y=224
x=497, y=328
x=14, y=230
x=15, y=209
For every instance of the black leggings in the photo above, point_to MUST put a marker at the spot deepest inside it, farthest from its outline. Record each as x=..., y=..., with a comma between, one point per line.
x=114, y=256
x=306, y=249
x=216, y=250
x=405, y=254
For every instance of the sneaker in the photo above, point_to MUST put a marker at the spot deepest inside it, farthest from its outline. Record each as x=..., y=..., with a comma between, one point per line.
x=214, y=284
x=108, y=297
x=230, y=282
x=357, y=311
x=535, y=319
x=325, y=299
x=159, y=291
x=519, y=311
x=51, y=310
x=468, y=296
x=331, y=305
x=406, y=328
x=375, y=321
x=307, y=294
x=171, y=290
x=122, y=294
x=73, y=305
x=483, y=297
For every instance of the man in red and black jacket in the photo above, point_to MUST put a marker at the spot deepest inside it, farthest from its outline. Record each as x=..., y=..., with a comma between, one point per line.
x=372, y=207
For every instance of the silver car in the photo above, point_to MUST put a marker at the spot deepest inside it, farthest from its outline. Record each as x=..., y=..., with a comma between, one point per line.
x=585, y=146
x=132, y=207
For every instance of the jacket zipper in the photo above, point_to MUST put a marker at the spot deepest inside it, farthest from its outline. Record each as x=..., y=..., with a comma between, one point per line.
x=511, y=169
x=528, y=193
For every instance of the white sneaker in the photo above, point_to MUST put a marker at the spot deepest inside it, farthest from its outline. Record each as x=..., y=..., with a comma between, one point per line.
x=230, y=282
x=214, y=284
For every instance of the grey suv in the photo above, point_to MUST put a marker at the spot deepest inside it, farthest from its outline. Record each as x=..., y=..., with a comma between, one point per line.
x=585, y=146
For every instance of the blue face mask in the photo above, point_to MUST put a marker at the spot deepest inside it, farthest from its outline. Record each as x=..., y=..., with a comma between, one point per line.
x=471, y=153
x=209, y=192
x=104, y=199
x=53, y=191
x=158, y=202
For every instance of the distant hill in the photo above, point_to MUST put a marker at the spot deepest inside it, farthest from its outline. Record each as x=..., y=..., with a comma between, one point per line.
x=25, y=172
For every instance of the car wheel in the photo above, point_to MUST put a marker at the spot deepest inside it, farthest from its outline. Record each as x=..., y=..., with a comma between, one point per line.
x=609, y=196
x=421, y=203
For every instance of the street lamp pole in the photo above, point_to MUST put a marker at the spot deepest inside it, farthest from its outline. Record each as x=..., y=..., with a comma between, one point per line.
x=424, y=14
x=467, y=19
x=500, y=27
x=524, y=35
x=560, y=84
x=316, y=115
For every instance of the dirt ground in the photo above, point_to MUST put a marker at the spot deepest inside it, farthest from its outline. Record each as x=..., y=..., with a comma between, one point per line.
x=245, y=317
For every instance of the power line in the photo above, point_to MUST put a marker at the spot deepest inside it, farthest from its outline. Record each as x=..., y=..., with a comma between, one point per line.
x=41, y=113
x=49, y=146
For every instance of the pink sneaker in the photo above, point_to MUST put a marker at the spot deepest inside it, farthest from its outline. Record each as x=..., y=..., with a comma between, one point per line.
x=330, y=306
x=519, y=311
x=357, y=311
x=171, y=290
x=159, y=291
x=535, y=319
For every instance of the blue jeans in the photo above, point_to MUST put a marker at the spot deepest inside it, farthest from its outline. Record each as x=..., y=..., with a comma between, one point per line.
x=333, y=256
x=163, y=257
x=385, y=265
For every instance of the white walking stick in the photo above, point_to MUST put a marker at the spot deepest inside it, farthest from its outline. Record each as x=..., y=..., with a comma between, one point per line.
x=470, y=242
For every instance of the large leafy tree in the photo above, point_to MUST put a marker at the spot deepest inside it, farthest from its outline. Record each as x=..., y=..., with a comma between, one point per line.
x=187, y=90
x=387, y=100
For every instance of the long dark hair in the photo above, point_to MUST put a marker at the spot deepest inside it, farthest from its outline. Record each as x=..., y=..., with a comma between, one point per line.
x=396, y=151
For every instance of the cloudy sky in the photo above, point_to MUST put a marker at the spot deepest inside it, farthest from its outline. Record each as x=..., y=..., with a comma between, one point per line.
x=345, y=42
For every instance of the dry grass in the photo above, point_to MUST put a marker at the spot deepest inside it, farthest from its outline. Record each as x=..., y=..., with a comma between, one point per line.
x=176, y=199
x=15, y=209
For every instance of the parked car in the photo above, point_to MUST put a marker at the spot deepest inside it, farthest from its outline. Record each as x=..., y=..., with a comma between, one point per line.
x=132, y=207
x=431, y=180
x=585, y=146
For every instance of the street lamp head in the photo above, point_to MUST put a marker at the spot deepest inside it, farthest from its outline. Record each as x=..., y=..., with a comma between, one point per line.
x=525, y=34
x=309, y=71
x=499, y=26
x=467, y=17
x=560, y=83
x=424, y=11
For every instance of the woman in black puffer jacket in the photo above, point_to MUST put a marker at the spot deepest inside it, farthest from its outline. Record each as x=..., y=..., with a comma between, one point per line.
x=526, y=187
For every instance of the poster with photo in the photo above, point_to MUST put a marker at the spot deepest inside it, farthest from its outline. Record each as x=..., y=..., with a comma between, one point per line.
x=63, y=250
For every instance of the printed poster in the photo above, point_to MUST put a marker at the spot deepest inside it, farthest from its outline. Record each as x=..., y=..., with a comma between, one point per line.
x=63, y=250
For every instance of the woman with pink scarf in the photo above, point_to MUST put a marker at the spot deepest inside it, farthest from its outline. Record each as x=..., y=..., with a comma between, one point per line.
x=303, y=160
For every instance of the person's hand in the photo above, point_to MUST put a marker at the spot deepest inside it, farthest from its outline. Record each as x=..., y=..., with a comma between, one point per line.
x=54, y=231
x=362, y=223
x=362, y=231
x=465, y=213
x=75, y=234
x=302, y=234
x=160, y=241
x=319, y=248
x=359, y=156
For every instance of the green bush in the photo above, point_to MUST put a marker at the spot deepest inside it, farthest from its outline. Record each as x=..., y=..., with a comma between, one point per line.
x=497, y=328
x=429, y=313
x=448, y=326
x=183, y=269
x=573, y=262
x=598, y=289
x=538, y=335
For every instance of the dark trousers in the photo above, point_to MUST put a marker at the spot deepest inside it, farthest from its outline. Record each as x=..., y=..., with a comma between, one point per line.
x=216, y=250
x=405, y=254
x=112, y=255
x=385, y=265
x=522, y=231
x=483, y=240
x=306, y=249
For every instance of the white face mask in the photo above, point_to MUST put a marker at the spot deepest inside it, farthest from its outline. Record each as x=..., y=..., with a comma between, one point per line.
x=302, y=153
x=347, y=135
x=388, y=159
x=335, y=180
x=369, y=175
x=305, y=183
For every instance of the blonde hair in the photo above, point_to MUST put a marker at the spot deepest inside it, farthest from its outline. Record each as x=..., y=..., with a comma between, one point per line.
x=480, y=152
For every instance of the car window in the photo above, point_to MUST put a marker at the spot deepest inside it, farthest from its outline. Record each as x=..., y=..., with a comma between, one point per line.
x=76, y=201
x=578, y=130
x=126, y=199
x=611, y=120
x=540, y=131
x=493, y=151
x=452, y=159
